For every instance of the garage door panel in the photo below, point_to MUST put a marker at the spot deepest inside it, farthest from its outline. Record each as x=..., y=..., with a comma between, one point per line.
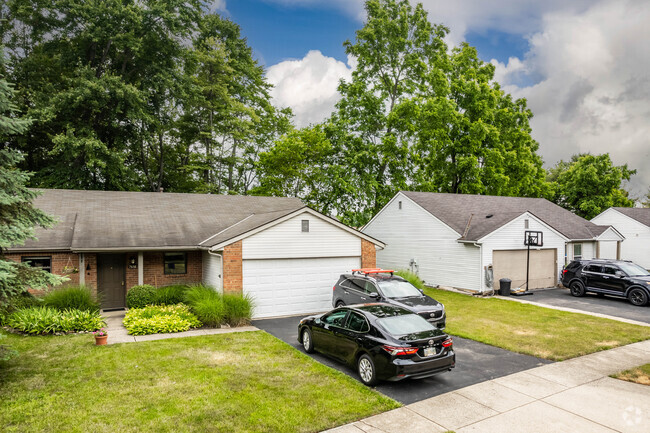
x=512, y=264
x=282, y=287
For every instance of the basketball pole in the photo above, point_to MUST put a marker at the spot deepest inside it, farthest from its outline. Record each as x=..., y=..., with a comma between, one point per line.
x=528, y=260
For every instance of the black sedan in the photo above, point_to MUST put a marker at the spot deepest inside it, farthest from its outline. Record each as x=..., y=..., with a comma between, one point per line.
x=383, y=341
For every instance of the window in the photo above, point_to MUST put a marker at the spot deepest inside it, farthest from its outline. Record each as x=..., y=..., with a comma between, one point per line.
x=337, y=318
x=399, y=204
x=357, y=323
x=609, y=270
x=577, y=251
x=44, y=263
x=370, y=288
x=175, y=263
x=305, y=226
x=526, y=224
x=358, y=284
x=593, y=268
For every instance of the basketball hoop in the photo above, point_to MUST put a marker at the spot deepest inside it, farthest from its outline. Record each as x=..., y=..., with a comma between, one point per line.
x=533, y=238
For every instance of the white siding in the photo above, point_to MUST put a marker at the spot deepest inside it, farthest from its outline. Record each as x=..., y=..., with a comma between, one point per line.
x=588, y=250
x=511, y=237
x=609, y=235
x=607, y=249
x=287, y=240
x=413, y=233
x=636, y=246
x=212, y=270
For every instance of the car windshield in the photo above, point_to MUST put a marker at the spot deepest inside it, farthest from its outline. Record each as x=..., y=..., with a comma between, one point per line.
x=398, y=289
x=633, y=270
x=405, y=324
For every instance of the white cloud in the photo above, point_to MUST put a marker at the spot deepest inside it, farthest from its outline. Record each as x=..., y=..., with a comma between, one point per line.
x=217, y=5
x=308, y=86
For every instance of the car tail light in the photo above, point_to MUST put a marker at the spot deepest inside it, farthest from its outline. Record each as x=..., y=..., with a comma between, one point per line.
x=333, y=288
x=448, y=342
x=564, y=271
x=396, y=351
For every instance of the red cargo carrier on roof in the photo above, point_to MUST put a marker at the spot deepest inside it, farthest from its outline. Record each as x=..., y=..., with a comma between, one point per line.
x=367, y=271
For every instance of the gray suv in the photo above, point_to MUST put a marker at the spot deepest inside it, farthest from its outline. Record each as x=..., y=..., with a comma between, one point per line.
x=364, y=286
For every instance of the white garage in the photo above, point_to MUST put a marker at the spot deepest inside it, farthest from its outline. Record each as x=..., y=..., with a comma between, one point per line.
x=289, y=265
x=282, y=287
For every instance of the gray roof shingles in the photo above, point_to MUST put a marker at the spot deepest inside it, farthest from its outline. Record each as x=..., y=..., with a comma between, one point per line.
x=641, y=214
x=96, y=220
x=455, y=210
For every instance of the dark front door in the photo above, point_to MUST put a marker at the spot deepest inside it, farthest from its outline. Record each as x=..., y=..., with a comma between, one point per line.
x=111, y=275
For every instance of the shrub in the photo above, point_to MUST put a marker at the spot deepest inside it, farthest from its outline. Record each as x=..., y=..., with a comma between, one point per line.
x=170, y=295
x=197, y=292
x=237, y=309
x=48, y=320
x=140, y=296
x=154, y=319
x=209, y=310
x=71, y=297
x=18, y=302
x=411, y=277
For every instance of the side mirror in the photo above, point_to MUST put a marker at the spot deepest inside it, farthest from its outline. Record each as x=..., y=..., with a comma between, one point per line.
x=620, y=274
x=374, y=295
x=317, y=320
x=421, y=292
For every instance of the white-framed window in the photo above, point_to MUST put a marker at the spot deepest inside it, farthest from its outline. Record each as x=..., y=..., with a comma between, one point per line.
x=577, y=251
x=305, y=226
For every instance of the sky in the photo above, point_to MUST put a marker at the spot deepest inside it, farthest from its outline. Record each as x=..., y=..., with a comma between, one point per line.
x=582, y=65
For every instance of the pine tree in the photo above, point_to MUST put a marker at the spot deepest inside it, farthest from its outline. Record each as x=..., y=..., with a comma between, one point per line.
x=18, y=216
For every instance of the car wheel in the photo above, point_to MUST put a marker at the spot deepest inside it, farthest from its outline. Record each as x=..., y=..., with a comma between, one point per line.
x=340, y=304
x=367, y=371
x=638, y=297
x=307, y=342
x=577, y=289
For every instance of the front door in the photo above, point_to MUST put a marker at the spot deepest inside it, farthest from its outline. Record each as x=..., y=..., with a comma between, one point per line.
x=111, y=275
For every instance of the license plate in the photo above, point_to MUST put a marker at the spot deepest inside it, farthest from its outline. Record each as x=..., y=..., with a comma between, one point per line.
x=429, y=351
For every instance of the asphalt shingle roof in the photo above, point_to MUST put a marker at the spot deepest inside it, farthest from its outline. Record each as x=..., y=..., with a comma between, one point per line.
x=474, y=216
x=116, y=219
x=641, y=214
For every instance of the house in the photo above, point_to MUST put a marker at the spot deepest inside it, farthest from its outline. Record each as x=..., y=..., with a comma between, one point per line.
x=470, y=241
x=282, y=253
x=634, y=224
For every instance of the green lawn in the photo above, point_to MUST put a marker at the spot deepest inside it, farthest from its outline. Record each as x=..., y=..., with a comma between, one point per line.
x=537, y=331
x=240, y=382
x=639, y=374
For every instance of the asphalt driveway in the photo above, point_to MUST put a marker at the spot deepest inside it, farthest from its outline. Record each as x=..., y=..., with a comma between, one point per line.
x=475, y=363
x=617, y=307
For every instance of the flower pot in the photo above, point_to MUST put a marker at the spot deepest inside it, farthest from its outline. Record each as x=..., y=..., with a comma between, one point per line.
x=101, y=340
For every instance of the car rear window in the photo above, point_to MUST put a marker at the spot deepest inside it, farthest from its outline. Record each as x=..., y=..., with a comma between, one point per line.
x=593, y=268
x=405, y=324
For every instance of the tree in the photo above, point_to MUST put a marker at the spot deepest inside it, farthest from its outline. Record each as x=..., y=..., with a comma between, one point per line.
x=18, y=216
x=589, y=184
x=417, y=116
x=646, y=199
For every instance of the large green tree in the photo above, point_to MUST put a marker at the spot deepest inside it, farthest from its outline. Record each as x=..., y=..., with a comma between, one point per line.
x=589, y=184
x=18, y=216
x=416, y=115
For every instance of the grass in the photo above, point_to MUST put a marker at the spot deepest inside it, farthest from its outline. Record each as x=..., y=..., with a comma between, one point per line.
x=239, y=382
x=639, y=374
x=532, y=330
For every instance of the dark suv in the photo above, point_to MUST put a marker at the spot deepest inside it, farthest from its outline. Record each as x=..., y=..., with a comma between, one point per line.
x=608, y=277
x=378, y=285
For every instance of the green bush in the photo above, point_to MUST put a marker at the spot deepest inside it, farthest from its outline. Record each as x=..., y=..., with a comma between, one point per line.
x=198, y=292
x=140, y=296
x=209, y=310
x=71, y=297
x=48, y=320
x=18, y=302
x=411, y=277
x=155, y=319
x=237, y=309
x=170, y=295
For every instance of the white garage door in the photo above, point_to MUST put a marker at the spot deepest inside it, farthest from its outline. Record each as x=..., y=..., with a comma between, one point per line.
x=512, y=264
x=282, y=287
x=607, y=249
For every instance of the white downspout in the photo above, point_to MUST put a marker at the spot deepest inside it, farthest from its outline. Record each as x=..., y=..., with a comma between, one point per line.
x=140, y=268
x=481, y=270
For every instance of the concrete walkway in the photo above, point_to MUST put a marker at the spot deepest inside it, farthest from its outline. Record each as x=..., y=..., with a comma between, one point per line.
x=117, y=333
x=571, y=396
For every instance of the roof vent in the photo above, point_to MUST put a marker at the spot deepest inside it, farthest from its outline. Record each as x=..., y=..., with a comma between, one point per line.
x=489, y=216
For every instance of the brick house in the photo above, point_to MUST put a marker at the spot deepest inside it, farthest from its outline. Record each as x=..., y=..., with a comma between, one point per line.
x=284, y=254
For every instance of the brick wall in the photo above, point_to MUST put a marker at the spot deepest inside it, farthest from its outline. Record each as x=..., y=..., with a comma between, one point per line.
x=59, y=261
x=368, y=254
x=154, y=271
x=232, y=268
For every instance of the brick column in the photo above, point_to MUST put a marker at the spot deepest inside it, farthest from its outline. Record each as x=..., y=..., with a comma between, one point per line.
x=232, y=268
x=368, y=254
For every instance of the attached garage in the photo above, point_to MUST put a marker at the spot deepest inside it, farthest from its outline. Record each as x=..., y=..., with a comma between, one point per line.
x=282, y=287
x=512, y=264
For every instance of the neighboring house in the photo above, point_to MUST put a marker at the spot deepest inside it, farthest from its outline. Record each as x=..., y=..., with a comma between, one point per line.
x=469, y=241
x=634, y=224
x=282, y=253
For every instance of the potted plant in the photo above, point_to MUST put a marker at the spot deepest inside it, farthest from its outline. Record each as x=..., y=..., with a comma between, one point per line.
x=101, y=335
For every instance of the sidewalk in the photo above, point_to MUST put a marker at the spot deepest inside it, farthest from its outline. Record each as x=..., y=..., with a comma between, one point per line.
x=117, y=332
x=571, y=396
